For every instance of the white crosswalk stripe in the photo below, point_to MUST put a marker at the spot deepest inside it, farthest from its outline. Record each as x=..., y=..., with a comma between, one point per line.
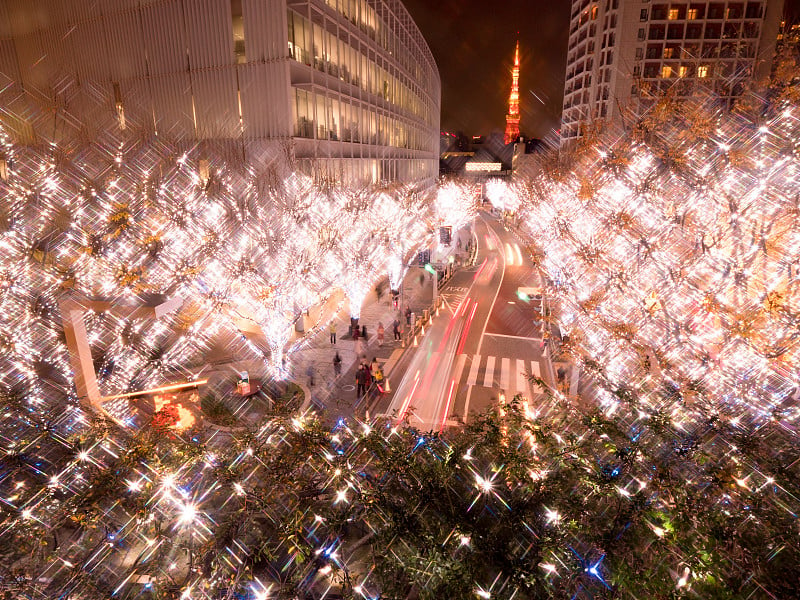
x=522, y=383
x=505, y=374
x=472, y=378
x=461, y=361
x=536, y=371
x=488, y=377
x=512, y=377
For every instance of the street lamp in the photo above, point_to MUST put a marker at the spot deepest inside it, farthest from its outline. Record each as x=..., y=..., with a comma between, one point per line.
x=430, y=269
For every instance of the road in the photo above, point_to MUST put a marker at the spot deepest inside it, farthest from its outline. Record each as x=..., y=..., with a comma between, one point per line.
x=483, y=343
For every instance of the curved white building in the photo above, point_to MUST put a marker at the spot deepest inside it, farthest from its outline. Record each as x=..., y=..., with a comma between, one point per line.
x=343, y=89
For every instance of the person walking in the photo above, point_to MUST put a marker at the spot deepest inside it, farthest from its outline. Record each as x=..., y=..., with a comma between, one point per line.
x=337, y=364
x=332, y=330
x=377, y=375
x=408, y=315
x=364, y=334
x=381, y=332
x=310, y=373
x=362, y=381
x=396, y=329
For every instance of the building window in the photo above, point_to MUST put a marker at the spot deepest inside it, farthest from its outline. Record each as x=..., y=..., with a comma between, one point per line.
x=594, y=12
x=692, y=13
x=237, y=22
x=639, y=53
x=673, y=14
x=666, y=72
x=682, y=71
x=637, y=70
x=643, y=15
x=702, y=71
x=669, y=52
x=641, y=34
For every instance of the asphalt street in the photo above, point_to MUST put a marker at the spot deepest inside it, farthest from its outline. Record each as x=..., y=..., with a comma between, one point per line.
x=483, y=344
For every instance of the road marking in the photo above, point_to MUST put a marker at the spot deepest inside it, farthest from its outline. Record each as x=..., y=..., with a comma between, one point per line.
x=462, y=360
x=537, y=372
x=514, y=337
x=488, y=376
x=389, y=365
x=505, y=373
x=491, y=307
x=472, y=378
x=522, y=387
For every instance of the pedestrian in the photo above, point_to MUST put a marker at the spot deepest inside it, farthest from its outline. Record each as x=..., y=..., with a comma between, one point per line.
x=310, y=373
x=374, y=367
x=380, y=333
x=332, y=329
x=545, y=337
x=408, y=315
x=362, y=380
x=337, y=364
x=356, y=334
x=377, y=375
x=396, y=329
x=364, y=333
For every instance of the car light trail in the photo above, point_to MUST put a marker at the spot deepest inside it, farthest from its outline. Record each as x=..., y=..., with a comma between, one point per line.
x=407, y=402
x=466, y=329
x=447, y=405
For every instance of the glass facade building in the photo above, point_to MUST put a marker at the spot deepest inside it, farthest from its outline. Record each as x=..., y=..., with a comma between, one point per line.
x=623, y=52
x=344, y=89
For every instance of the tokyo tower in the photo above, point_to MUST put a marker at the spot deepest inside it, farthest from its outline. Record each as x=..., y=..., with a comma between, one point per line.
x=512, y=118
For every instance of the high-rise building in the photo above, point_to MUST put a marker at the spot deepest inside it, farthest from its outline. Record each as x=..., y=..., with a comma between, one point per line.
x=622, y=53
x=347, y=89
x=512, y=118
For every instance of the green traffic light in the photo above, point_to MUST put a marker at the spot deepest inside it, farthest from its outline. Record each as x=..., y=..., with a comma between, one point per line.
x=429, y=268
x=523, y=296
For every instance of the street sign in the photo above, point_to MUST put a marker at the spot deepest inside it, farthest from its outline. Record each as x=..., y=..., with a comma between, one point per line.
x=445, y=234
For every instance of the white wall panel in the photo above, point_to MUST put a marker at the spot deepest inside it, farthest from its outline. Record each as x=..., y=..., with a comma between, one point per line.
x=125, y=45
x=165, y=42
x=81, y=11
x=209, y=32
x=90, y=52
x=216, y=102
x=9, y=68
x=266, y=99
x=138, y=104
x=173, y=100
x=265, y=29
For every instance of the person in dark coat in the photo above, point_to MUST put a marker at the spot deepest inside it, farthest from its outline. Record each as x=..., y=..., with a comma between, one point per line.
x=363, y=380
x=396, y=329
x=337, y=364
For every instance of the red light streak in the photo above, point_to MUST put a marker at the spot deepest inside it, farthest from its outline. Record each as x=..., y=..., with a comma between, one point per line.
x=447, y=406
x=407, y=402
x=466, y=329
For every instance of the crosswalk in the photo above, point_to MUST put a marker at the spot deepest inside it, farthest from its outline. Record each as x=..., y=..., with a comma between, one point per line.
x=509, y=374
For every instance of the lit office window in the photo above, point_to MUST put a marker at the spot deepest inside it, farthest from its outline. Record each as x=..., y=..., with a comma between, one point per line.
x=673, y=14
x=666, y=72
x=702, y=71
x=237, y=21
x=692, y=13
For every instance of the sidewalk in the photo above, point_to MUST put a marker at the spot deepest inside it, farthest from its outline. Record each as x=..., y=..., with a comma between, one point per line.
x=335, y=395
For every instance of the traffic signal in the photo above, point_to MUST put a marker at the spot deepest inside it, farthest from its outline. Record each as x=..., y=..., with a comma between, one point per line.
x=423, y=257
x=445, y=234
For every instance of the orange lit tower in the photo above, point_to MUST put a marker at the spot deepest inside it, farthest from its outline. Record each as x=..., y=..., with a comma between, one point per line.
x=512, y=118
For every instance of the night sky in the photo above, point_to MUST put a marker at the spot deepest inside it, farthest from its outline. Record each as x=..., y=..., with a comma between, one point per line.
x=473, y=44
